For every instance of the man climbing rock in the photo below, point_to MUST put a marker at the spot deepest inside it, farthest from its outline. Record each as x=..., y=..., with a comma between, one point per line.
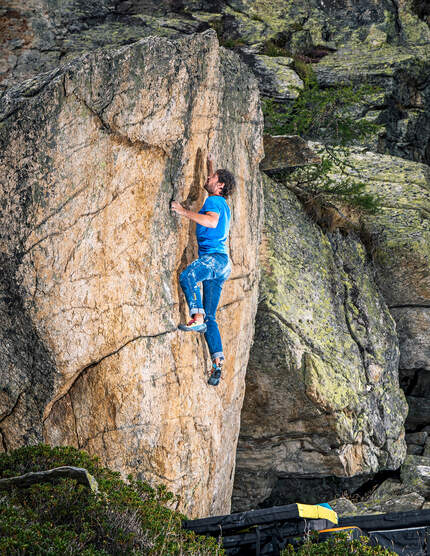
x=213, y=266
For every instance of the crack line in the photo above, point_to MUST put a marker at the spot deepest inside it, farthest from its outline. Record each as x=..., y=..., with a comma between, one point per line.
x=6, y=415
x=3, y=440
x=361, y=349
x=69, y=384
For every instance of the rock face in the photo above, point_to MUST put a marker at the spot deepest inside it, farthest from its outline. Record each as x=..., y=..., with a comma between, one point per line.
x=92, y=156
x=399, y=76
x=286, y=150
x=389, y=497
x=322, y=395
x=325, y=333
x=276, y=78
x=399, y=240
x=387, y=46
x=38, y=35
x=411, y=492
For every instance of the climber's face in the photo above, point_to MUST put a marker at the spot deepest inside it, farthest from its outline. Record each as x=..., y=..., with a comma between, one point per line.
x=213, y=185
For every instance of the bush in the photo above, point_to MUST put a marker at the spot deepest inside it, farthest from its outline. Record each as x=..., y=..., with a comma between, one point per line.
x=270, y=48
x=67, y=518
x=327, y=115
x=338, y=545
x=323, y=114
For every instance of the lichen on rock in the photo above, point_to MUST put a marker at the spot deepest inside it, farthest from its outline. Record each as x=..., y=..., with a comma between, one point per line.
x=322, y=395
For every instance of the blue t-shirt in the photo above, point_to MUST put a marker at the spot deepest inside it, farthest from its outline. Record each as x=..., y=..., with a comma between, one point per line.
x=212, y=240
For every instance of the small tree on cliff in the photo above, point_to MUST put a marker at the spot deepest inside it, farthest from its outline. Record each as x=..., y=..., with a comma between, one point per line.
x=325, y=115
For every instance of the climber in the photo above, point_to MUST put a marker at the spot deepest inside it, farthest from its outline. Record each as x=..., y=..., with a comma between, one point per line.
x=213, y=266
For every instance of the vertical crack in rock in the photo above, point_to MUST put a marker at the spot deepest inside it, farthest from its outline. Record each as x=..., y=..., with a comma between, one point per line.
x=5, y=416
x=9, y=413
x=360, y=347
x=194, y=195
x=3, y=440
x=351, y=295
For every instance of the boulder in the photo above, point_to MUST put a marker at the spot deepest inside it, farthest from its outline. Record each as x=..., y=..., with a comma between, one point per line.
x=426, y=451
x=416, y=384
x=416, y=443
x=79, y=474
x=419, y=411
x=391, y=503
x=276, y=77
x=391, y=496
x=398, y=240
x=398, y=235
x=418, y=438
x=413, y=325
x=286, y=151
x=343, y=506
x=415, y=474
x=92, y=155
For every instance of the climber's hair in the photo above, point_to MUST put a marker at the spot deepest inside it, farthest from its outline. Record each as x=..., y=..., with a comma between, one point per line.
x=227, y=178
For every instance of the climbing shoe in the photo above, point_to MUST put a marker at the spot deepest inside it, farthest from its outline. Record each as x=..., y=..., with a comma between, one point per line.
x=215, y=374
x=193, y=326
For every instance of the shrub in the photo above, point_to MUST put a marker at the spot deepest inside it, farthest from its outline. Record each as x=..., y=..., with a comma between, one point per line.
x=270, y=48
x=67, y=518
x=326, y=115
x=337, y=545
x=323, y=114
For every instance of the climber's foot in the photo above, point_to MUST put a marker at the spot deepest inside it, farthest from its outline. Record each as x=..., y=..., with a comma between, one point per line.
x=216, y=372
x=194, y=325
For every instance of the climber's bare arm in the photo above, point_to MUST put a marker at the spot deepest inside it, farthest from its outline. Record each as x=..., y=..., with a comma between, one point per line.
x=209, y=219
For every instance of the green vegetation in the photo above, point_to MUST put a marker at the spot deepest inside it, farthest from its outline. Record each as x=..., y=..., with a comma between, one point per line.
x=322, y=114
x=67, y=518
x=270, y=48
x=338, y=545
x=303, y=70
x=231, y=43
x=325, y=115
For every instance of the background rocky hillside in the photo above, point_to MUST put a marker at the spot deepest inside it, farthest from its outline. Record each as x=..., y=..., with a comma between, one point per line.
x=95, y=149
